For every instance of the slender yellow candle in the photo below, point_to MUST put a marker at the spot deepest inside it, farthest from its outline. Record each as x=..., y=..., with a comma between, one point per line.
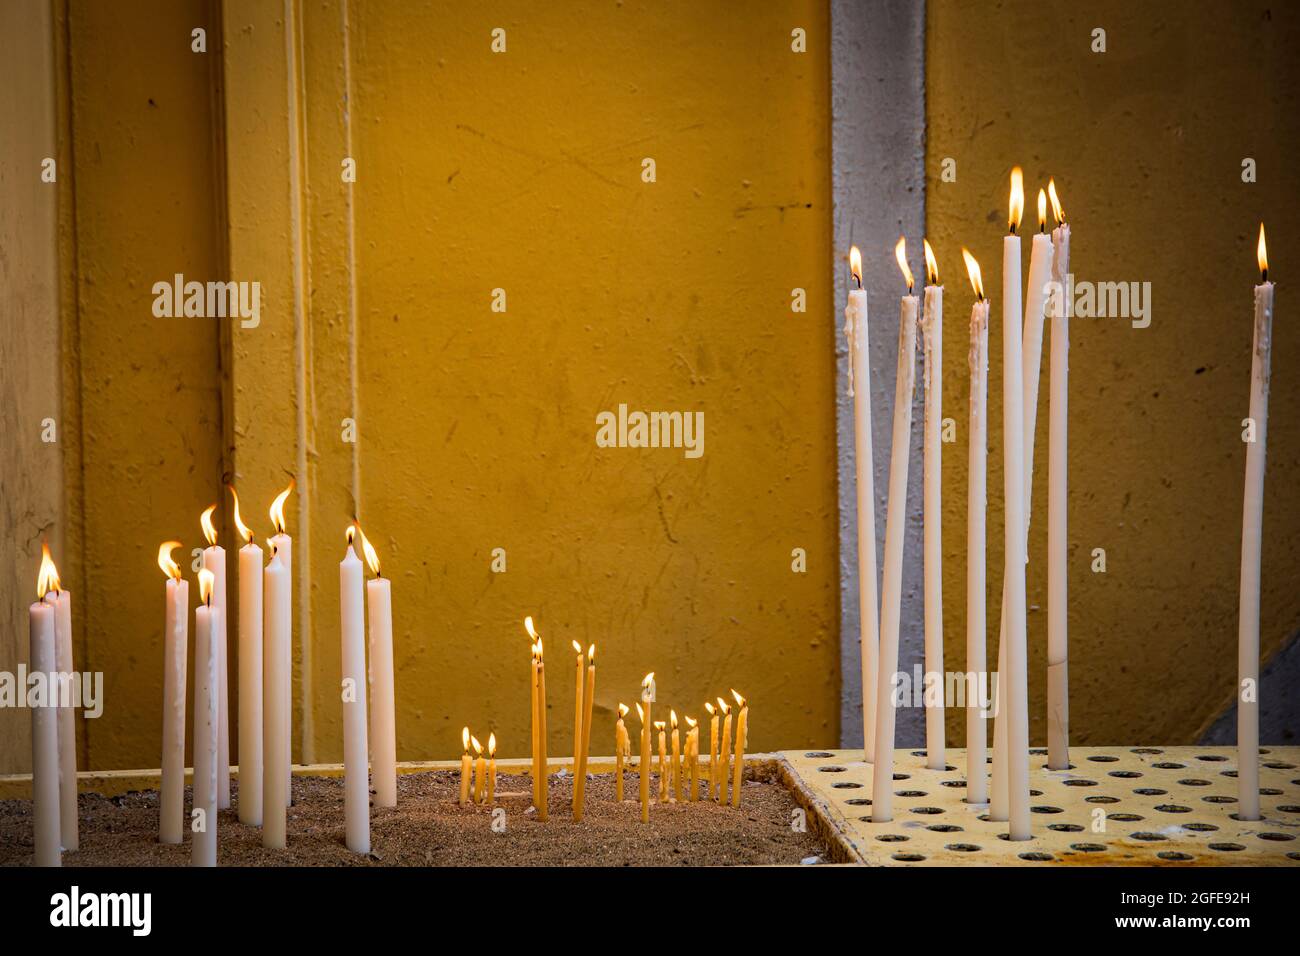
x=588, y=701
x=492, y=768
x=693, y=757
x=724, y=755
x=677, y=759
x=532, y=679
x=742, y=733
x=713, y=748
x=543, y=763
x=465, y=765
x=578, y=694
x=620, y=747
x=480, y=770
x=647, y=698
x=663, y=760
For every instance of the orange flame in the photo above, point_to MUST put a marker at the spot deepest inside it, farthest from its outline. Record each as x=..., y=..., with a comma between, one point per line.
x=1057, y=212
x=640, y=714
x=478, y=747
x=206, y=581
x=973, y=270
x=492, y=745
x=1017, y=204
x=709, y=708
x=740, y=701
x=591, y=654
x=245, y=531
x=900, y=253
x=931, y=263
x=1261, y=251
x=277, y=509
x=372, y=557
x=690, y=722
x=577, y=648
x=724, y=706
x=855, y=265
x=622, y=710
x=464, y=739
x=209, y=530
x=672, y=715
x=47, y=579
x=169, y=567
x=528, y=626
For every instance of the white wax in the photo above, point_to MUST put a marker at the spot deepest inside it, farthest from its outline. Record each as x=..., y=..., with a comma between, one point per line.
x=214, y=559
x=176, y=632
x=1251, y=541
x=45, y=740
x=1058, y=700
x=932, y=346
x=976, y=543
x=284, y=548
x=356, y=786
x=855, y=330
x=882, y=792
x=250, y=685
x=203, y=826
x=61, y=601
x=383, y=720
x=277, y=621
x=1013, y=432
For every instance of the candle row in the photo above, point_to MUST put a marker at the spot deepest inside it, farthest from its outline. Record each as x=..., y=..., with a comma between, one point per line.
x=485, y=771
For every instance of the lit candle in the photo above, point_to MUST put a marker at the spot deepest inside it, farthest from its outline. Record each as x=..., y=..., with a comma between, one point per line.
x=742, y=738
x=203, y=818
x=176, y=631
x=713, y=749
x=383, y=713
x=45, y=725
x=976, y=538
x=1251, y=540
x=282, y=644
x=214, y=560
x=932, y=390
x=250, y=675
x=859, y=363
x=577, y=721
x=480, y=771
x=532, y=719
x=882, y=793
x=663, y=761
x=588, y=703
x=620, y=748
x=277, y=622
x=677, y=758
x=693, y=757
x=541, y=770
x=1013, y=435
x=724, y=754
x=492, y=768
x=356, y=786
x=466, y=765
x=1058, y=683
x=58, y=598
x=647, y=698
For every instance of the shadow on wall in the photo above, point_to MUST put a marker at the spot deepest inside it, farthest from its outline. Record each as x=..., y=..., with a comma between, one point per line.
x=1279, y=704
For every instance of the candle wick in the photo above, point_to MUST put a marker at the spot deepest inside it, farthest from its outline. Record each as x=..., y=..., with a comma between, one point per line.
x=858, y=280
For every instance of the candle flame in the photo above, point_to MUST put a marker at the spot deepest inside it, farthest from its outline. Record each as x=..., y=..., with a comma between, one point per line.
x=690, y=722
x=577, y=648
x=277, y=509
x=1057, y=212
x=973, y=270
x=1042, y=211
x=659, y=726
x=209, y=530
x=245, y=531
x=47, y=579
x=1017, y=205
x=672, y=715
x=372, y=558
x=855, y=265
x=478, y=747
x=591, y=654
x=492, y=745
x=640, y=714
x=350, y=533
x=622, y=710
x=1261, y=251
x=169, y=567
x=724, y=706
x=900, y=253
x=528, y=626
x=206, y=581
x=740, y=701
x=539, y=650
x=931, y=264
x=709, y=708
x=464, y=739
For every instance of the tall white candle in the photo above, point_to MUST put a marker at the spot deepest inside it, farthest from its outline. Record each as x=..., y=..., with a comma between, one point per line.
x=1013, y=425
x=976, y=538
x=882, y=779
x=203, y=818
x=45, y=730
x=176, y=628
x=356, y=787
x=61, y=601
x=856, y=335
x=214, y=560
x=283, y=545
x=276, y=625
x=932, y=390
x=383, y=716
x=250, y=675
x=1251, y=541
x=1058, y=683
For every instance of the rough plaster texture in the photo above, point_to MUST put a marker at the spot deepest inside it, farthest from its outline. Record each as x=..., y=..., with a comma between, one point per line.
x=878, y=137
x=1146, y=142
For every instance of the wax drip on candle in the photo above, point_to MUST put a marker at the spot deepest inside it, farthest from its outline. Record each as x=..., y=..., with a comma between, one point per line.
x=245, y=531
x=48, y=578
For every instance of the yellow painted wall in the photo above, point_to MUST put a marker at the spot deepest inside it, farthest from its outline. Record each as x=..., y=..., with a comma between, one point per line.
x=477, y=429
x=1146, y=142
